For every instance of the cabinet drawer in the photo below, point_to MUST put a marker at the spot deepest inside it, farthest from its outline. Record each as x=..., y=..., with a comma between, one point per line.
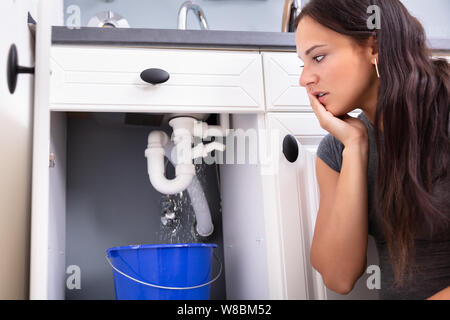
x=281, y=75
x=108, y=79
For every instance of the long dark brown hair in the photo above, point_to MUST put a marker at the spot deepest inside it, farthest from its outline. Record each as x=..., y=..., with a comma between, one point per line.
x=412, y=188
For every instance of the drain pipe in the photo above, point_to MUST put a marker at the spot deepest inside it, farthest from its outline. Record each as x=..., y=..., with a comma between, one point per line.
x=184, y=169
x=199, y=203
x=182, y=154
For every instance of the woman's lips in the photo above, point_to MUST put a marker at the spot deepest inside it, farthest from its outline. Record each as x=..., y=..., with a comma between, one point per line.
x=323, y=98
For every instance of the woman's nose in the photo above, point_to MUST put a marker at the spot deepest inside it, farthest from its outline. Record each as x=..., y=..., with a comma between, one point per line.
x=307, y=78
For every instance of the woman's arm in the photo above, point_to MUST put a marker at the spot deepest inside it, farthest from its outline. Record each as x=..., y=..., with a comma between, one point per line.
x=339, y=245
x=441, y=295
x=338, y=250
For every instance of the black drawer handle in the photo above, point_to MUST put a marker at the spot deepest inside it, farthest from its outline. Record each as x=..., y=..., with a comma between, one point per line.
x=13, y=68
x=155, y=76
x=290, y=148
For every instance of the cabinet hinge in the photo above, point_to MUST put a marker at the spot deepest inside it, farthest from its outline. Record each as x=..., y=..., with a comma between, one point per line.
x=52, y=160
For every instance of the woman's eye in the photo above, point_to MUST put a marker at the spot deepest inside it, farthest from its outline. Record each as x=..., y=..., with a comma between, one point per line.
x=316, y=58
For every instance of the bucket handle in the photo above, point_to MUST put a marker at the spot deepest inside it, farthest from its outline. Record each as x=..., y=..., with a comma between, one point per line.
x=168, y=288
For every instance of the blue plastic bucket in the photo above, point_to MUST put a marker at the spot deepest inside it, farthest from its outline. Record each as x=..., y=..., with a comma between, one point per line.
x=162, y=271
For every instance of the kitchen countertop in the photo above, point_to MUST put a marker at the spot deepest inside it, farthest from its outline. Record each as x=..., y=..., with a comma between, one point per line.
x=174, y=38
x=284, y=41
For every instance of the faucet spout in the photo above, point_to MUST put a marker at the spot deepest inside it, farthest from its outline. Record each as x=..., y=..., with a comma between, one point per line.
x=183, y=11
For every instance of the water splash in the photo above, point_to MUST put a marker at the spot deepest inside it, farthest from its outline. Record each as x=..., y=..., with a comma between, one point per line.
x=177, y=215
x=177, y=219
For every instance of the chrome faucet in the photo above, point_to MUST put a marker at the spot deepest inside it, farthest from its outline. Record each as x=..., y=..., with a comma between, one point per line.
x=292, y=9
x=182, y=15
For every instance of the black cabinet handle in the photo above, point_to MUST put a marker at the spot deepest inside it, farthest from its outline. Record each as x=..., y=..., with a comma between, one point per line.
x=155, y=76
x=290, y=148
x=13, y=68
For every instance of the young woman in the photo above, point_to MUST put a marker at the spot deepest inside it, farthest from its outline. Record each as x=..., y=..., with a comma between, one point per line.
x=385, y=173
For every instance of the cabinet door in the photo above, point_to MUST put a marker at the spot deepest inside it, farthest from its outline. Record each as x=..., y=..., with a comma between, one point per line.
x=297, y=198
x=281, y=78
x=298, y=203
x=15, y=142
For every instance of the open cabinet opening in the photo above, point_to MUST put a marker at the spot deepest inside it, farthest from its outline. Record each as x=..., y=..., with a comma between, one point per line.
x=101, y=197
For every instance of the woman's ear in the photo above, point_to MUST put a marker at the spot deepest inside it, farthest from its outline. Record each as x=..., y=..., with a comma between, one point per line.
x=373, y=47
x=370, y=49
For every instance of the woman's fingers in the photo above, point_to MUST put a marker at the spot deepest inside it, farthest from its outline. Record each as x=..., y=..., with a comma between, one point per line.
x=321, y=113
x=316, y=105
x=344, y=127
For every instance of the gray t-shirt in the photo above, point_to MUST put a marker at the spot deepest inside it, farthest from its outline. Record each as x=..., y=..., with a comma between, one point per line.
x=431, y=272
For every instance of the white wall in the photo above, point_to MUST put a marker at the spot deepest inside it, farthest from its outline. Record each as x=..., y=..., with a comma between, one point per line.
x=433, y=14
x=237, y=15
x=241, y=15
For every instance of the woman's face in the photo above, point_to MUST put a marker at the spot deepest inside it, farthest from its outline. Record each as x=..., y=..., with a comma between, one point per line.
x=337, y=66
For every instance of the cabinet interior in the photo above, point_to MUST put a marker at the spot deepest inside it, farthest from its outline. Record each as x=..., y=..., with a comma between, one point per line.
x=101, y=197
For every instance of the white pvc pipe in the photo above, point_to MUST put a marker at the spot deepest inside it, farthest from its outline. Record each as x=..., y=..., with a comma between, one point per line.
x=205, y=226
x=202, y=150
x=158, y=146
x=155, y=165
x=199, y=203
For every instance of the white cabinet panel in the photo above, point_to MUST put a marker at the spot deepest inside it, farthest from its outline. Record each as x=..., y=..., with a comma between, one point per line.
x=281, y=78
x=108, y=79
x=249, y=256
x=442, y=56
x=298, y=198
x=16, y=116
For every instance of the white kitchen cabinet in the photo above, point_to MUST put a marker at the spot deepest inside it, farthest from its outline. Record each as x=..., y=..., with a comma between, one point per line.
x=16, y=127
x=93, y=78
x=445, y=56
x=297, y=202
x=282, y=72
x=295, y=198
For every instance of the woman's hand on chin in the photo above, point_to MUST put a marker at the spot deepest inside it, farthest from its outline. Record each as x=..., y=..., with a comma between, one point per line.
x=346, y=129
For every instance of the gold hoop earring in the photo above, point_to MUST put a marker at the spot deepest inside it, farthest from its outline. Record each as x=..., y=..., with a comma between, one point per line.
x=376, y=68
